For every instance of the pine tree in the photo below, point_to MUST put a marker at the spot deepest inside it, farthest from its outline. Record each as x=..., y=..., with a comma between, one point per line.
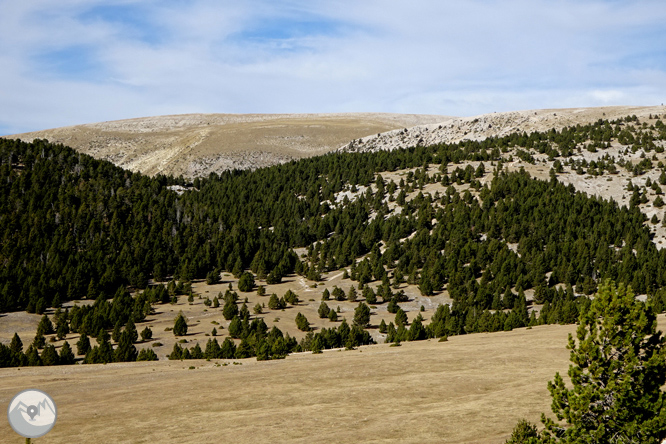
x=230, y=309
x=302, y=322
x=236, y=328
x=212, y=349
x=126, y=351
x=105, y=349
x=246, y=282
x=196, y=352
x=524, y=433
x=83, y=345
x=617, y=372
x=147, y=354
x=130, y=328
x=66, y=354
x=274, y=302
x=45, y=326
x=351, y=294
x=324, y=310
x=117, y=330
x=40, y=340
x=16, y=345
x=400, y=318
x=228, y=349
x=49, y=355
x=362, y=315
x=180, y=325
x=332, y=316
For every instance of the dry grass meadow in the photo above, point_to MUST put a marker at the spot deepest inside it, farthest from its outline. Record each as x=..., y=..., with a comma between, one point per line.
x=197, y=144
x=470, y=389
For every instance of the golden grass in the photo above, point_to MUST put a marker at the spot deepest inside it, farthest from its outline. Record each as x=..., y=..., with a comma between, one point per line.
x=471, y=389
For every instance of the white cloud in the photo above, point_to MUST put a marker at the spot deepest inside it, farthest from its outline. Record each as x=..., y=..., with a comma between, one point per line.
x=428, y=56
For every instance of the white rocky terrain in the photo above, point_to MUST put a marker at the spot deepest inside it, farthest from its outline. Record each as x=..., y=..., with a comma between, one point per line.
x=457, y=129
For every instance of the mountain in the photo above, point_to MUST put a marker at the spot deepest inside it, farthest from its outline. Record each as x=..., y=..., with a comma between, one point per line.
x=197, y=144
x=458, y=129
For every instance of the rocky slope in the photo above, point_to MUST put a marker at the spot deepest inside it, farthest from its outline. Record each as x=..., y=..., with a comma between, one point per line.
x=489, y=125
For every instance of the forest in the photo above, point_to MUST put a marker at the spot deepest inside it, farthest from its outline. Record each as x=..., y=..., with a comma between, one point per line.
x=74, y=227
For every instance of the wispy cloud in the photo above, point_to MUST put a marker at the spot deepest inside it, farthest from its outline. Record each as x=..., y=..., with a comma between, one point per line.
x=77, y=61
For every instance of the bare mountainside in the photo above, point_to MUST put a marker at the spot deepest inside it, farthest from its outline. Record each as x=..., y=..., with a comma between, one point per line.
x=198, y=144
x=478, y=128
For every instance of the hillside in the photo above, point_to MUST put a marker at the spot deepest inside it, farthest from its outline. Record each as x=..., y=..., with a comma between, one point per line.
x=197, y=144
x=405, y=245
x=458, y=224
x=480, y=127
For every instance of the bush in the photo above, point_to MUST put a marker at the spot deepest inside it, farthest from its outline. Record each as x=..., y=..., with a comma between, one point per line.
x=146, y=334
x=147, y=354
x=524, y=433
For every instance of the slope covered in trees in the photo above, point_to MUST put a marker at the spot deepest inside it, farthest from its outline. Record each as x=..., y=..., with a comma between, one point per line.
x=74, y=227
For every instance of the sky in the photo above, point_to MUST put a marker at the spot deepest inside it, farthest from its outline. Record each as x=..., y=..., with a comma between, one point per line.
x=81, y=61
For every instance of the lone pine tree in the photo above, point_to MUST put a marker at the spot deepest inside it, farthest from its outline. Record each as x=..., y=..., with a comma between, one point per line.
x=180, y=326
x=617, y=373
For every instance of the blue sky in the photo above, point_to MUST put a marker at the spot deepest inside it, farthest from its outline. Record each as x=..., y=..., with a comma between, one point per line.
x=80, y=61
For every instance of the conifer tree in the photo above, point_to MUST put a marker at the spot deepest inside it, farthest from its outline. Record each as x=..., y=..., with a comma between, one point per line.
x=228, y=349
x=130, y=328
x=40, y=340
x=82, y=345
x=400, y=318
x=236, y=328
x=49, y=355
x=617, y=373
x=323, y=310
x=16, y=345
x=147, y=354
x=332, y=316
x=126, y=351
x=362, y=315
x=273, y=303
x=45, y=326
x=230, y=309
x=66, y=354
x=302, y=322
x=180, y=325
x=351, y=294
x=212, y=349
x=246, y=282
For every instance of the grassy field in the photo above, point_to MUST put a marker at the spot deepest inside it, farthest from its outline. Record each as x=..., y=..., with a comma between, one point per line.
x=197, y=144
x=470, y=389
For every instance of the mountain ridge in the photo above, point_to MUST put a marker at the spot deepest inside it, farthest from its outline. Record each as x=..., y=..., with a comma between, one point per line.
x=195, y=145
